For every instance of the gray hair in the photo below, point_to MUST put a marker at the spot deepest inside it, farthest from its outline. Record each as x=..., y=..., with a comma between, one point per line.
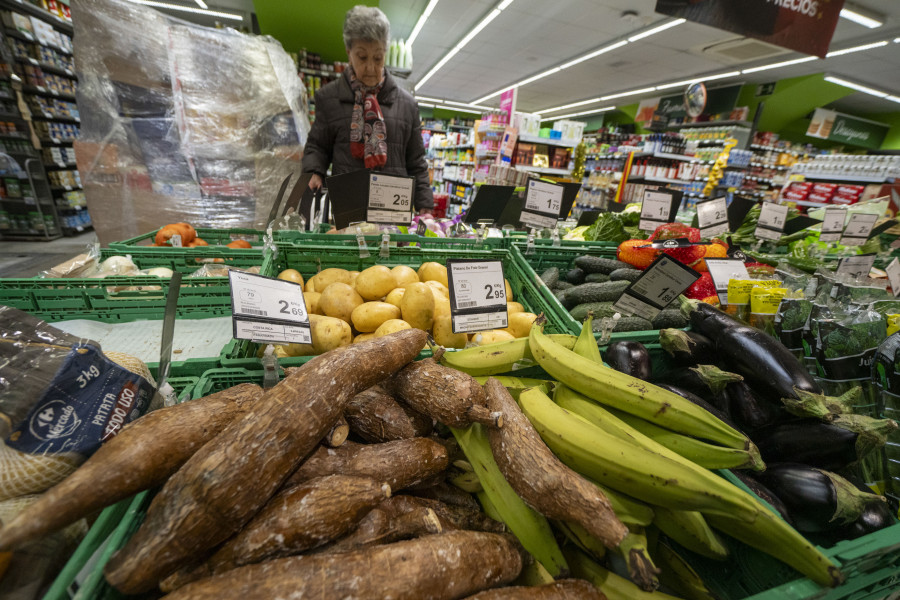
x=366, y=23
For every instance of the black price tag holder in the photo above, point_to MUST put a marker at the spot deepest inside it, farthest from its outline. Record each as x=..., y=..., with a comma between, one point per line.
x=658, y=208
x=712, y=216
x=737, y=210
x=370, y=196
x=656, y=288
x=477, y=295
x=543, y=204
x=268, y=310
x=489, y=203
x=588, y=217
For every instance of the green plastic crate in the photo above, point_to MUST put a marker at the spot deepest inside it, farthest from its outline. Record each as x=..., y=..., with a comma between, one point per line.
x=213, y=237
x=309, y=260
x=402, y=239
x=216, y=380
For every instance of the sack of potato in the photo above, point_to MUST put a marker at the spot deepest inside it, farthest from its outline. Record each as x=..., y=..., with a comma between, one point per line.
x=353, y=306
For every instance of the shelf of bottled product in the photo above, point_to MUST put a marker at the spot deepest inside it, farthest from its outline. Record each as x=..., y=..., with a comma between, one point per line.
x=848, y=179
x=46, y=67
x=40, y=13
x=765, y=148
x=456, y=147
x=459, y=162
x=42, y=91
x=491, y=128
x=711, y=124
x=454, y=180
x=533, y=139
x=651, y=179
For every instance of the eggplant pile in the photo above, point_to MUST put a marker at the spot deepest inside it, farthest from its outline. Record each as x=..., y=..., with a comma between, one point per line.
x=812, y=444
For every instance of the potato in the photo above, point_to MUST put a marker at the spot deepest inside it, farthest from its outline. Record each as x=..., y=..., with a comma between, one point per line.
x=392, y=326
x=326, y=277
x=291, y=275
x=509, y=295
x=329, y=333
x=439, y=287
x=353, y=276
x=514, y=307
x=432, y=271
x=403, y=275
x=369, y=316
x=441, y=306
x=375, y=283
x=395, y=296
x=338, y=300
x=443, y=333
x=417, y=306
x=483, y=338
x=310, y=284
x=363, y=337
x=312, y=302
x=520, y=324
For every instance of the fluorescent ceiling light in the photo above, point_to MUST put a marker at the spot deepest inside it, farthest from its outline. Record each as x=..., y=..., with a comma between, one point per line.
x=778, y=65
x=897, y=40
x=504, y=4
x=426, y=99
x=426, y=104
x=593, y=54
x=859, y=18
x=565, y=106
x=465, y=110
x=892, y=98
x=579, y=114
x=856, y=86
x=201, y=4
x=421, y=22
x=656, y=30
x=666, y=86
x=190, y=9
x=631, y=93
x=857, y=49
x=468, y=104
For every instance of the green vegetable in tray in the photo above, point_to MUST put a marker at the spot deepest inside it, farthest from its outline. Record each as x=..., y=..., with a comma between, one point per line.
x=793, y=313
x=608, y=227
x=852, y=336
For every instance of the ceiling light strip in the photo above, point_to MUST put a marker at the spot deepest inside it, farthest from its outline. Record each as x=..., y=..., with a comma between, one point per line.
x=582, y=113
x=860, y=19
x=857, y=49
x=655, y=30
x=629, y=93
x=190, y=9
x=856, y=86
x=593, y=54
x=421, y=22
x=566, y=106
x=778, y=65
x=201, y=4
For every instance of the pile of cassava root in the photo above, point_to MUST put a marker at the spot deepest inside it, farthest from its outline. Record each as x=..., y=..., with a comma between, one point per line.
x=260, y=496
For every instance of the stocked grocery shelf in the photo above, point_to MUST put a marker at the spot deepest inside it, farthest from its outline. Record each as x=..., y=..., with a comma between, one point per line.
x=456, y=147
x=661, y=180
x=42, y=91
x=10, y=136
x=460, y=181
x=773, y=149
x=711, y=124
x=681, y=157
x=319, y=72
x=56, y=142
x=488, y=128
x=764, y=165
x=533, y=139
x=543, y=170
x=65, y=188
x=56, y=165
x=458, y=162
x=846, y=179
x=16, y=235
x=49, y=117
x=40, y=13
x=47, y=67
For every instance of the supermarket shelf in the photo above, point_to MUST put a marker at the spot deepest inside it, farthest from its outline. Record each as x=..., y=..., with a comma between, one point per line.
x=70, y=231
x=543, y=170
x=457, y=147
x=11, y=116
x=773, y=149
x=56, y=142
x=712, y=124
x=457, y=162
x=659, y=180
x=460, y=127
x=806, y=203
x=61, y=206
x=18, y=235
x=68, y=165
x=47, y=67
x=22, y=201
x=533, y=139
x=49, y=117
x=710, y=142
x=319, y=72
x=7, y=136
x=460, y=181
x=40, y=13
x=42, y=91
x=681, y=157
x=488, y=154
x=27, y=37
x=65, y=188
x=764, y=165
x=768, y=180
x=434, y=129
x=845, y=179
x=488, y=128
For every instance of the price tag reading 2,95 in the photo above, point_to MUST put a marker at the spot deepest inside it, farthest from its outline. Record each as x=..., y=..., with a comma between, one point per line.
x=712, y=217
x=771, y=222
x=477, y=295
x=268, y=310
x=655, y=289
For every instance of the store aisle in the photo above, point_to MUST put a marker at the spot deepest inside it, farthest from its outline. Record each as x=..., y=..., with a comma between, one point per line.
x=27, y=259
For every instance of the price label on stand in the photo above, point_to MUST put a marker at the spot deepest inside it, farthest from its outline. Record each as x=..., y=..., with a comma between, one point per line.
x=858, y=229
x=390, y=199
x=712, y=216
x=771, y=222
x=268, y=310
x=655, y=289
x=658, y=208
x=833, y=224
x=543, y=201
x=893, y=273
x=724, y=269
x=856, y=266
x=477, y=295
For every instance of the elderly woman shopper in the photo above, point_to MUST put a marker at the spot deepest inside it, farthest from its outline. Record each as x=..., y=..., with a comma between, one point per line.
x=364, y=120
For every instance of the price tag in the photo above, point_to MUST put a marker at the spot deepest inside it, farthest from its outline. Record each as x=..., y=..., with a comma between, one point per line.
x=268, y=310
x=535, y=220
x=856, y=266
x=771, y=221
x=390, y=199
x=833, y=224
x=712, y=216
x=477, y=295
x=655, y=289
x=858, y=229
x=722, y=270
x=175, y=241
x=893, y=273
x=658, y=208
x=543, y=201
x=421, y=228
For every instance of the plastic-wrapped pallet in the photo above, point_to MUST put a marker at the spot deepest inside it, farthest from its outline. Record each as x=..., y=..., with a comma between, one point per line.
x=181, y=122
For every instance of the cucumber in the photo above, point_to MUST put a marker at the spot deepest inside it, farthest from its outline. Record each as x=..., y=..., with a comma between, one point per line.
x=575, y=276
x=550, y=277
x=670, y=318
x=600, y=310
x=625, y=275
x=595, y=292
x=562, y=285
x=626, y=324
x=595, y=264
x=596, y=278
x=561, y=296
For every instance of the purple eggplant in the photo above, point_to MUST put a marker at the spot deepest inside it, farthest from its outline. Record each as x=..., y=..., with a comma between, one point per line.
x=748, y=409
x=807, y=441
x=816, y=500
x=705, y=381
x=874, y=516
x=763, y=492
x=687, y=348
x=631, y=358
x=694, y=398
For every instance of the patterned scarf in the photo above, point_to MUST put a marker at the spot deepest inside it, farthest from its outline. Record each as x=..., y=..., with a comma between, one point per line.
x=368, y=135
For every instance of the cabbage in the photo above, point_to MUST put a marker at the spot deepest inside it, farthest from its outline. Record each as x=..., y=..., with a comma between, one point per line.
x=607, y=228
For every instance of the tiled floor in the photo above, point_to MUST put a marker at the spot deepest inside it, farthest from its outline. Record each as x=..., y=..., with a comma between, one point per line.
x=28, y=259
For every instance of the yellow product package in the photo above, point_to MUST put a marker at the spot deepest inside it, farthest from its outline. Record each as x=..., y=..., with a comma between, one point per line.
x=764, y=303
x=739, y=295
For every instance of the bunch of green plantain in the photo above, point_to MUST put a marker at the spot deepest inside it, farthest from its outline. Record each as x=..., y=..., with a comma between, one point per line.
x=649, y=450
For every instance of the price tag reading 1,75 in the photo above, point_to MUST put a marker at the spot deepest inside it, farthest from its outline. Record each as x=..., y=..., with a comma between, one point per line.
x=543, y=201
x=771, y=222
x=712, y=217
x=655, y=289
x=832, y=224
x=268, y=310
x=477, y=295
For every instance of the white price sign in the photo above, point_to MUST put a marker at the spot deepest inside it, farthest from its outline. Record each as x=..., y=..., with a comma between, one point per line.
x=544, y=198
x=771, y=222
x=477, y=295
x=389, y=193
x=655, y=289
x=858, y=229
x=535, y=220
x=724, y=269
x=268, y=310
x=893, y=273
x=833, y=224
x=856, y=266
x=656, y=209
x=712, y=217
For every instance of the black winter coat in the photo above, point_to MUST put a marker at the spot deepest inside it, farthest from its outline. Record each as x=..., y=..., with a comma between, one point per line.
x=329, y=138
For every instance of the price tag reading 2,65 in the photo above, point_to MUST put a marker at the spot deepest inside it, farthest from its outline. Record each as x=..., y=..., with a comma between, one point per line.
x=477, y=295
x=858, y=229
x=712, y=217
x=390, y=199
x=771, y=222
x=268, y=310
x=832, y=224
x=655, y=289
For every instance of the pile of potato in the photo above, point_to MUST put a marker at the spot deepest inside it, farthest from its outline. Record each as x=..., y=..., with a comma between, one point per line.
x=351, y=306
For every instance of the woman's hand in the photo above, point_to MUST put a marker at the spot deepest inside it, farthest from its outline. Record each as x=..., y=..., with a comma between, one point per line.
x=315, y=182
x=424, y=211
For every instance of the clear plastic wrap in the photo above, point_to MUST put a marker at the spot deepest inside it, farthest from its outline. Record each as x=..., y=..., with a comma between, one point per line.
x=181, y=122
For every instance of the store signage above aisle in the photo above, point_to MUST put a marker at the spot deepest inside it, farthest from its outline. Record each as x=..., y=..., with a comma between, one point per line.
x=672, y=108
x=477, y=295
x=802, y=25
x=268, y=310
x=846, y=129
x=369, y=196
